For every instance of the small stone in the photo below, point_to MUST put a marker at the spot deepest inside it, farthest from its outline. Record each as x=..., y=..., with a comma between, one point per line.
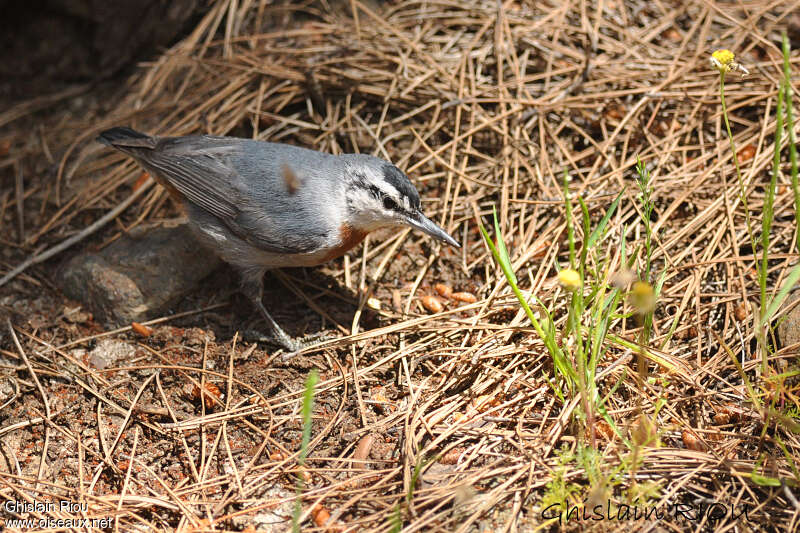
x=109, y=352
x=75, y=315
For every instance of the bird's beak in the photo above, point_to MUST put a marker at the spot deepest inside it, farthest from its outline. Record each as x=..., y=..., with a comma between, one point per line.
x=424, y=224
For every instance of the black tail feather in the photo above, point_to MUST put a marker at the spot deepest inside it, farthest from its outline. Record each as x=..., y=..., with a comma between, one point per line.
x=126, y=137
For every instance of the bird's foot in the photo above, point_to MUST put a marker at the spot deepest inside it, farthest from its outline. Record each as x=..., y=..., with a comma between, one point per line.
x=291, y=345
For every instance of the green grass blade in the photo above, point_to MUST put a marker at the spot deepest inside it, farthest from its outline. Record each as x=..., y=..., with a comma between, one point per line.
x=307, y=409
x=505, y=266
x=548, y=337
x=749, y=386
x=599, y=231
x=570, y=228
x=791, y=281
x=769, y=200
x=585, y=248
x=789, y=458
x=501, y=246
x=787, y=95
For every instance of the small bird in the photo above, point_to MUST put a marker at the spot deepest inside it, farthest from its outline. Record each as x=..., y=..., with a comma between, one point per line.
x=261, y=205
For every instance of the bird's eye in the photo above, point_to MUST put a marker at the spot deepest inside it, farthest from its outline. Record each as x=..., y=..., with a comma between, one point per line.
x=390, y=204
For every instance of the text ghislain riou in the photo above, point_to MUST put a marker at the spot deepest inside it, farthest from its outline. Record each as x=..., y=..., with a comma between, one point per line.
x=12, y=506
x=711, y=511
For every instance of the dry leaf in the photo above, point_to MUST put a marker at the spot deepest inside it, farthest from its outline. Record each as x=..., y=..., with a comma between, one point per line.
x=211, y=395
x=603, y=431
x=451, y=457
x=691, y=442
x=643, y=431
x=364, y=445
x=320, y=515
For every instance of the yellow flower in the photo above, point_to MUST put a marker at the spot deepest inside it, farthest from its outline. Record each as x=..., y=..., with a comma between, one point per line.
x=725, y=61
x=643, y=297
x=569, y=279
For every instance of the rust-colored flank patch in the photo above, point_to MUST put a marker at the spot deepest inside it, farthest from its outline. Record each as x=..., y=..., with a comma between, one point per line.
x=349, y=238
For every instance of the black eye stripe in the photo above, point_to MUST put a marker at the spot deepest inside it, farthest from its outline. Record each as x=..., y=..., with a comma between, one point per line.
x=388, y=202
x=395, y=177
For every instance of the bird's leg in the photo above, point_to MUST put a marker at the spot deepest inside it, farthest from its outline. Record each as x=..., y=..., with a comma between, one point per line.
x=253, y=288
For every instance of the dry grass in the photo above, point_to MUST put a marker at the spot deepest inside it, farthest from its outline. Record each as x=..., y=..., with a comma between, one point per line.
x=482, y=106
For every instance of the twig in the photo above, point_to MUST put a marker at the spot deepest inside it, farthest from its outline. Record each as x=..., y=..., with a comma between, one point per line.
x=63, y=245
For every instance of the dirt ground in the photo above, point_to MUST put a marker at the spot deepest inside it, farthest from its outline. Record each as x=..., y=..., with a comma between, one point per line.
x=425, y=418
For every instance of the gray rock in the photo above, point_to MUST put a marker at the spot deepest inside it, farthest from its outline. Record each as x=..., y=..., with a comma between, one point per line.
x=139, y=276
x=789, y=324
x=110, y=352
x=54, y=41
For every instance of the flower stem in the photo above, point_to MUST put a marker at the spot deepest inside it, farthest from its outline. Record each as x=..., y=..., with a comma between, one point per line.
x=742, y=192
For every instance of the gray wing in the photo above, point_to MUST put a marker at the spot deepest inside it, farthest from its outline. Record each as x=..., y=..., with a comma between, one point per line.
x=200, y=175
x=241, y=183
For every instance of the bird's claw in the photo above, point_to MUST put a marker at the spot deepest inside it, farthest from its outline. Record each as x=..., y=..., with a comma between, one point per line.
x=307, y=341
x=314, y=338
x=292, y=346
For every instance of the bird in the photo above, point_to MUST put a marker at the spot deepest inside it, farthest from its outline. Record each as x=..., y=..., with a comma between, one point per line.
x=260, y=205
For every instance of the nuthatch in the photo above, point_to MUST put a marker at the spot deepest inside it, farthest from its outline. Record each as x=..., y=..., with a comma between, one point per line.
x=261, y=205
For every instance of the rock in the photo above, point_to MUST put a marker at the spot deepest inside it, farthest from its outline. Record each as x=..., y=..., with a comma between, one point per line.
x=139, y=276
x=110, y=352
x=274, y=518
x=789, y=324
x=81, y=40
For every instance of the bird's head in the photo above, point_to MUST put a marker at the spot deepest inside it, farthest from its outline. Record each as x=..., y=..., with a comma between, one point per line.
x=380, y=195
